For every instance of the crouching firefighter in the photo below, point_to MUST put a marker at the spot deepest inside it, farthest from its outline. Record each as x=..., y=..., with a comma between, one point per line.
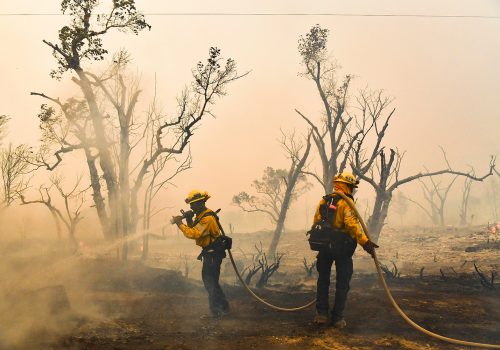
x=335, y=233
x=206, y=230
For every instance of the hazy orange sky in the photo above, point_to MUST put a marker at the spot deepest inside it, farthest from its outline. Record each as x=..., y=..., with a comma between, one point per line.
x=444, y=74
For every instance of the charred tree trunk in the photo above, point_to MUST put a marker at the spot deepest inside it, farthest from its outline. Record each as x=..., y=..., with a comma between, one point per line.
x=57, y=223
x=379, y=214
x=71, y=234
x=105, y=159
x=146, y=221
x=124, y=188
x=124, y=178
x=435, y=217
x=328, y=184
x=432, y=214
x=430, y=193
x=441, y=217
x=383, y=196
x=464, y=206
x=281, y=221
x=293, y=175
x=97, y=195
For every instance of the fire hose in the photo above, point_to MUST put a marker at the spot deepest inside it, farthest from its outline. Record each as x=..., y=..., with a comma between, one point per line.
x=384, y=285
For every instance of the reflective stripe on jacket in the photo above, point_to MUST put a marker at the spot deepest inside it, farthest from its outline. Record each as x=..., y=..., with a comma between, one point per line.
x=345, y=217
x=204, y=232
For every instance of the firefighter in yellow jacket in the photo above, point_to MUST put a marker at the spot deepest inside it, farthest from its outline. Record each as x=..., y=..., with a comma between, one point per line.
x=204, y=229
x=346, y=232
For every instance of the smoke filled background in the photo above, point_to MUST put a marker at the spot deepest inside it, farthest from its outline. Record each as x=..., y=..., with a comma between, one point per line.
x=441, y=72
x=60, y=269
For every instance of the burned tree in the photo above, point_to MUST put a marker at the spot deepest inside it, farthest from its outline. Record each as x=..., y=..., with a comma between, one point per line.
x=331, y=134
x=161, y=174
x=210, y=81
x=491, y=193
x=14, y=167
x=294, y=176
x=254, y=266
x=432, y=211
x=73, y=200
x=68, y=129
x=156, y=138
x=269, y=191
x=436, y=196
x=278, y=187
x=80, y=43
x=385, y=178
x=369, y=159
x=464, y=204
x=486, y=282
x=393, y=272
x=344, y=125
x=155, y=184
x=104, y=123
x=309, y=267
x=441, y=194
x=268, y=269
x=45, y=199
x=343, y=135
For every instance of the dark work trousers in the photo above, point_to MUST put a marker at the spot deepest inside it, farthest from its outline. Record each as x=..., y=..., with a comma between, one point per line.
x=210, y=275
x=343, y=267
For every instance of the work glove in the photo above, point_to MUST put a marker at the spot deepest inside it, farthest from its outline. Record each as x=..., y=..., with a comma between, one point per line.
x=176, y=220
x=189, y=216
x=369, y=247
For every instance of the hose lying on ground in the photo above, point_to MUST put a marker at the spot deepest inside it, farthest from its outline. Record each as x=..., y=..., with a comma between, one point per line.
x=262, y=300
x=384, y=285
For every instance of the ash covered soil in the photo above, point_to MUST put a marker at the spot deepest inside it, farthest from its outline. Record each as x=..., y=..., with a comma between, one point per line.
x=116, y=305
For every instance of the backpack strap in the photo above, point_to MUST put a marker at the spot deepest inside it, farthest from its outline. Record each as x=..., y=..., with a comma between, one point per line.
x=198, y=219
x=227, y=240
x=328, y=207
x=214, y=214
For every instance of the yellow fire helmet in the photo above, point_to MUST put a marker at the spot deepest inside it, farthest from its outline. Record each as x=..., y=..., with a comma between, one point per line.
x=347, y=178
x=196, y=195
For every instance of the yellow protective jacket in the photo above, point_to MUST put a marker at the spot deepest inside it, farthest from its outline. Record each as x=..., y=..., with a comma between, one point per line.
x=345, y=218
x=205, y=231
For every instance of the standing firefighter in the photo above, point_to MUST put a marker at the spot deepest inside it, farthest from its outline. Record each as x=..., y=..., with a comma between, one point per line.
x=205, y=229
x=335, y=234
